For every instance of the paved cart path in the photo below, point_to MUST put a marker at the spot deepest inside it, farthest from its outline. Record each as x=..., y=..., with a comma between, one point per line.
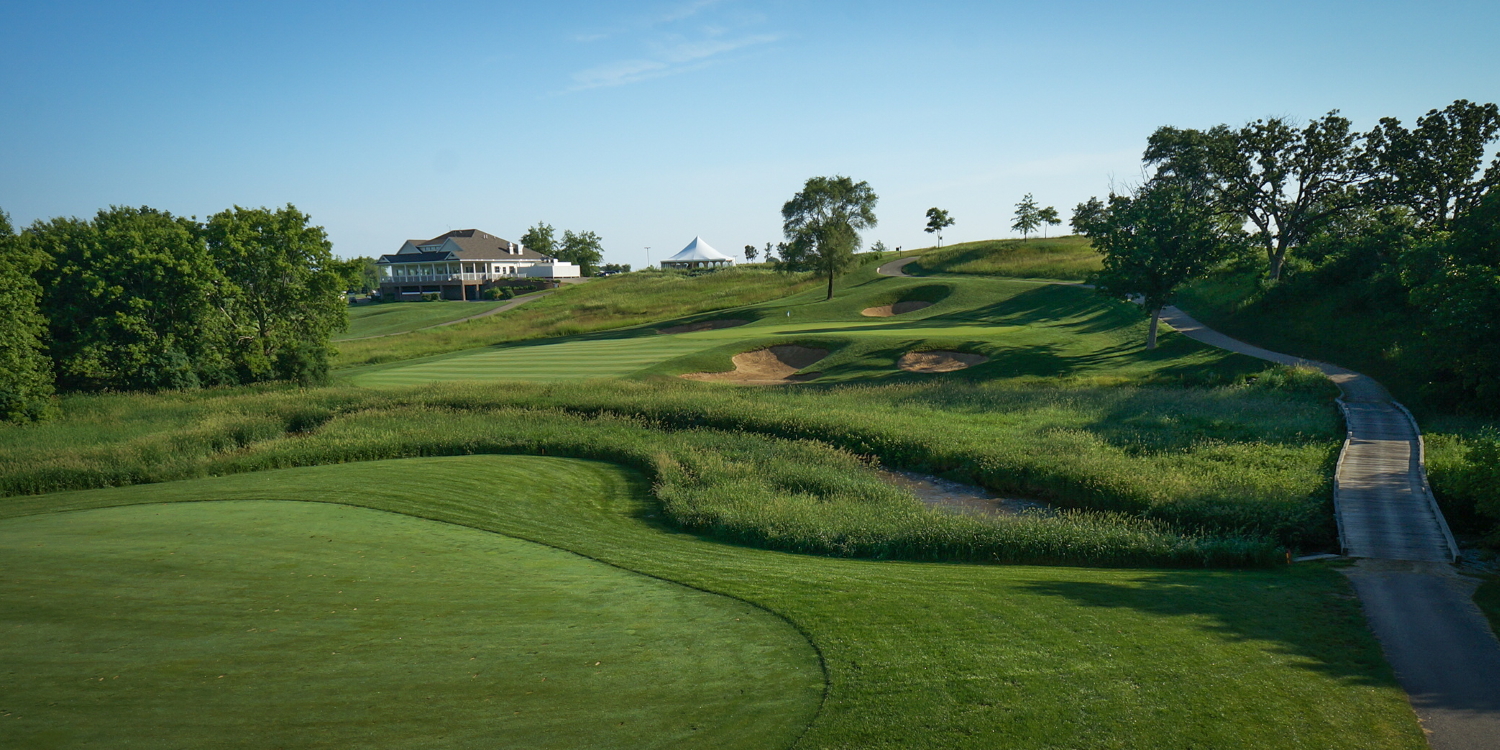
x=1419, y=606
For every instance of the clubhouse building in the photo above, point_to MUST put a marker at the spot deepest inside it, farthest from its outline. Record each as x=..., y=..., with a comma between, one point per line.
x=461, y=264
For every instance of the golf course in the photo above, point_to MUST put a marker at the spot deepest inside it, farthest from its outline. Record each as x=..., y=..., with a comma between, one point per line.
x=562, y=542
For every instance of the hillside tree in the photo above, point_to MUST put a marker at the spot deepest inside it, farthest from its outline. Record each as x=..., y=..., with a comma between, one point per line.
x=583, y=249
x=1048, y=216
x=822, y=223
x=1152, y=243
x=1438, y=168
x=750, y=252
x=937, y=221
x=540, y=238
x=1289, y=182
x=1086, y=214
x=1028, y=217
x=283, y=292
x=131, y=302
x=25, y=370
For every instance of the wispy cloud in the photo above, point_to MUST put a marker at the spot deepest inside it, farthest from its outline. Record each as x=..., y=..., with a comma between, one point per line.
x=670, y=45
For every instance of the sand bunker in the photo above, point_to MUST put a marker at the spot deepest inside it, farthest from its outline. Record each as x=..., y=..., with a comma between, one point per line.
x=938, y=361
x=704, y=325
x=900, y=308
x=778, y=364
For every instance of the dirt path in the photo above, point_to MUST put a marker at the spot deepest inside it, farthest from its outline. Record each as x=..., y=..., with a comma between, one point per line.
x=513, y=304
x=1419, y=606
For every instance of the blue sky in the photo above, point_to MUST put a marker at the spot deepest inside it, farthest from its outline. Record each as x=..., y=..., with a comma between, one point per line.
x=650, y=123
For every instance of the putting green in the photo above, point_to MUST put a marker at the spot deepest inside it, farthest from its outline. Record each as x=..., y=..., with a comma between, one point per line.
x=260, y=623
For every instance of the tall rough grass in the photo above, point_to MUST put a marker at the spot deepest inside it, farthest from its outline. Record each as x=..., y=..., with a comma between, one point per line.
x=786, y=494
x=1070, y=258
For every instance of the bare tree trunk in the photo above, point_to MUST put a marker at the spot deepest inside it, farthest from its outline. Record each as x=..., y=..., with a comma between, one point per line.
x=830, y=284
x=1151, y=334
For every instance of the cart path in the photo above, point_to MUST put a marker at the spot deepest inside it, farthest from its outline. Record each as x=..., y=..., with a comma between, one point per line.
x=1419, y=606
x=513, y=304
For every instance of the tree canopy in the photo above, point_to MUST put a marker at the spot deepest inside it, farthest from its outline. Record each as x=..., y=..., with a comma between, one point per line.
x=1437, y=169
x=1028, y=217
x=25, y=371
x=822, y=223
x=540, y=238
x=1152, y=242
x=584, y=249
x=937, y=221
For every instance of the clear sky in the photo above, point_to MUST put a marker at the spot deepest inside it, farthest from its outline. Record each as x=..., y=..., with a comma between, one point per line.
x=650, y=123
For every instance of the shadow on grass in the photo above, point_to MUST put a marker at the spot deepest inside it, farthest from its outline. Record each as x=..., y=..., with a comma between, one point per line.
x=1311, y=616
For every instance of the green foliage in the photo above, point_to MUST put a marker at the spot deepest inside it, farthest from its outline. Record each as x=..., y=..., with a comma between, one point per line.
x=1086, y=214
x=822, y=223
x=357, y=274
x=1152, y=243
x=583, y=249
x=1288, y=182
x=750, y=252
x=1455, y=282
x=539, y=238
x=1464, y=468
x=937, y=221
x=1437, y=170
x=25, y=370
x=132, y=302
x=1028, y=217
x=1048, y=217
x=283, y=292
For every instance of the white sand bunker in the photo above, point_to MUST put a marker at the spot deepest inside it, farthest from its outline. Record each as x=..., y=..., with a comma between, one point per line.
x=704, y=325
x=900, y=308
x=939, y=361
x=778, y=364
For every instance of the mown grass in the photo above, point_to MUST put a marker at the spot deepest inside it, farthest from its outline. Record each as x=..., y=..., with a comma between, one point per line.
x=946, y=656
x=1027, y=329
x=253, y=623
x=400, y=317
x=1069, y=258
x=1185, y=477
x=614, y=302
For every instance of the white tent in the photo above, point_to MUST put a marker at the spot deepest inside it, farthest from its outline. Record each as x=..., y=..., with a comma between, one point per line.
x=698, y=254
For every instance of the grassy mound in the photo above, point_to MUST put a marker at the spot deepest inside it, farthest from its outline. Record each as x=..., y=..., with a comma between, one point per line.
x=288, y=624
x=400, y=317
x=1068, y=258
x=919, y=655
x=615, y=302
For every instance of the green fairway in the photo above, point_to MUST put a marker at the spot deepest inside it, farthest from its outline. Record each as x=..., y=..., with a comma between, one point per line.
x=275, y=624
x=399, y=317
x=916, y=655
x=1025, y=328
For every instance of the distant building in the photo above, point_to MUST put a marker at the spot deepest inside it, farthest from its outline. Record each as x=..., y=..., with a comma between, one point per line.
x=461, y=264
x=698, y=254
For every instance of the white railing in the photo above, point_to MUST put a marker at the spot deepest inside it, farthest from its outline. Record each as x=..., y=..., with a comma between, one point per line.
x=420, y=278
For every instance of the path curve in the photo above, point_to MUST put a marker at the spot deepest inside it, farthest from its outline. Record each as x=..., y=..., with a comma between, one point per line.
x=897, y=267
x=1419, y=606
x=513, y=304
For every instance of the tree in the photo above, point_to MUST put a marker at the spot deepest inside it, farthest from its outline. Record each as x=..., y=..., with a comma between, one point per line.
x=1288, y=182
x=770, y=253
x=879, y=249
x=1086, y=214
x=539, y=238
x=1456, y=283
x=614, y=268
x=357, y=274
x=25, y=371
x=1048, y=216
x=131, y=300
x=822, y=225
x=1028, y=217
x=1437, y=169
x=937, y=221
x=283, y=292
x=1153, y=242
x=584, y=249
x=750, y=253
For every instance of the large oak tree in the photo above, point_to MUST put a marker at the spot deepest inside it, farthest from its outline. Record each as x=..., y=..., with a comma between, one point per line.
x=822, y=223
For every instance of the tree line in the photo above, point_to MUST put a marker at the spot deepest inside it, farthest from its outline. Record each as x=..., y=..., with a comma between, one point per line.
x=583, y=249
x=138, y=299
x=1411, y=216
